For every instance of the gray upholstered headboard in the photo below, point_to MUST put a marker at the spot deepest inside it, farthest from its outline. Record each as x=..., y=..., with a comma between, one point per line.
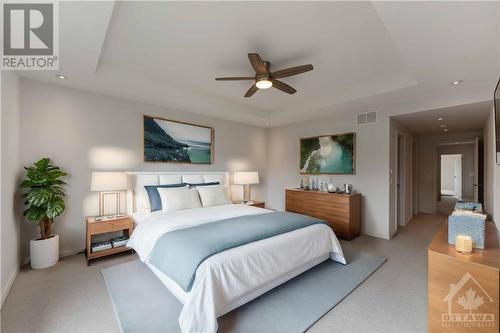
x=137, y=196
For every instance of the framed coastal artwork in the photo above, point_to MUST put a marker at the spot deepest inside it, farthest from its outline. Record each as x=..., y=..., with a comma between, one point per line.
x=172, y=141
x=328, y=154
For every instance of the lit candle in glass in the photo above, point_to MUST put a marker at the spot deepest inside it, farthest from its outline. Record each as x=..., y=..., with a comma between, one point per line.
x=463, y=244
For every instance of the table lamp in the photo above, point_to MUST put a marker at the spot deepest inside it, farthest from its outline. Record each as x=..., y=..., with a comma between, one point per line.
x=108, y=184
x=246, y=179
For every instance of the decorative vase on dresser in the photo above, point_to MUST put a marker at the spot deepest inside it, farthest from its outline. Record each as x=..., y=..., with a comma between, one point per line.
x=341, y=211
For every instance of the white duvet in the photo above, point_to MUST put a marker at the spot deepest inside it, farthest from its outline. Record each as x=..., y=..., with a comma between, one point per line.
x=233, y=277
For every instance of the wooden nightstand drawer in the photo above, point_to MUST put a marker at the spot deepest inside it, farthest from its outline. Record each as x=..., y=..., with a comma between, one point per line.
x=109, y=226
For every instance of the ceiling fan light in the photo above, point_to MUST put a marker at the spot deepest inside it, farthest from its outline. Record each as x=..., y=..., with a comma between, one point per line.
x=264, y=84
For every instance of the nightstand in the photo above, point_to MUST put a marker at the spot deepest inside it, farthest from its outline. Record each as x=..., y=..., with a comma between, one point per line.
x=259, y=204
x=123, y=223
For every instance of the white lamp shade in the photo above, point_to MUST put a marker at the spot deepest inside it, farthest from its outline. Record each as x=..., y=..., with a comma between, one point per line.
x=108, y=181
x=245, y=178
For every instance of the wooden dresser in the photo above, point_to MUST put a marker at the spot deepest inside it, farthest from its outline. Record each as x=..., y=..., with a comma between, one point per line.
x=464, y=289
x=341, y=211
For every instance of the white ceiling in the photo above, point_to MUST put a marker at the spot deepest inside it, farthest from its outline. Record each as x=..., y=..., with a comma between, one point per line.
x=461, y=118
x=366, y=55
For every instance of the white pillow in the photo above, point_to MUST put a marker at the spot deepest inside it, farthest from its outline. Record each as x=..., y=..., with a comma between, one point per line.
x=173, y=199
x=213, y=195
x=142, y=200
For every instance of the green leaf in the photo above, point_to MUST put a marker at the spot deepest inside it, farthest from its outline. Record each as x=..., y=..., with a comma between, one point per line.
x=35, y=213
x=40, y=196
x=43, y=163
x=55, y=208
x=53, y=175
x=26, y=183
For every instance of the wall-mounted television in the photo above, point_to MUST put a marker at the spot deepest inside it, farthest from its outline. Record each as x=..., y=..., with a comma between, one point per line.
x=496, y=103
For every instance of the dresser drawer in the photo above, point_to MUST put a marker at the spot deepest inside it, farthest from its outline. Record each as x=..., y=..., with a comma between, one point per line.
x=341, y=229
x=109, y=226
x=341, y=212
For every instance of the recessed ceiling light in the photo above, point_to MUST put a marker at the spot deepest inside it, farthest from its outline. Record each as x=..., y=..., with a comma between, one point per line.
x=446, y=130
x=456, y=82
x=443, y=126
x=60, y=77
x=440, y=119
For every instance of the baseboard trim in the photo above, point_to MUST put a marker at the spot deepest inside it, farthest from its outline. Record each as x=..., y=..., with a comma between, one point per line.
x=10, y=282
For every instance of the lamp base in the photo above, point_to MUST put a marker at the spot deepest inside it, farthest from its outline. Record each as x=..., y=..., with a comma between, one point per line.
x=105, y=198
x=247, y=193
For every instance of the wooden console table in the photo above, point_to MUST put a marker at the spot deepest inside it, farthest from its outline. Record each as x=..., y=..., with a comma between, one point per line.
x=341, y=211
x=464, y=289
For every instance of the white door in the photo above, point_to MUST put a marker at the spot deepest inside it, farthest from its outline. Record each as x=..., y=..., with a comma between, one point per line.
x=451, y=175
x=476, y=169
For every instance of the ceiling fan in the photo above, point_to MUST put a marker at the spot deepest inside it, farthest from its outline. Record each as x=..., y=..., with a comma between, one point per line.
x=265, y=79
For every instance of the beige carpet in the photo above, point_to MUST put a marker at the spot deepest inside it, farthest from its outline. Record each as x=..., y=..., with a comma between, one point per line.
x=71, y=297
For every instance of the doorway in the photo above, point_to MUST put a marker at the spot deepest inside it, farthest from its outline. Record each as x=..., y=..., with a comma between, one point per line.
x=451, y=176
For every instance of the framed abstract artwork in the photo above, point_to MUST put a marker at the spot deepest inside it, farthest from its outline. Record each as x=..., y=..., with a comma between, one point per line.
x=328, y=154
x=172, y=141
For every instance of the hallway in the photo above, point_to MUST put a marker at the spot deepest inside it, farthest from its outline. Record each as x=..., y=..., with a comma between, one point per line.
x=446, y=205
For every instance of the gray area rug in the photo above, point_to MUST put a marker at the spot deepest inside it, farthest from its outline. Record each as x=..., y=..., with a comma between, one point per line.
x=143, y=304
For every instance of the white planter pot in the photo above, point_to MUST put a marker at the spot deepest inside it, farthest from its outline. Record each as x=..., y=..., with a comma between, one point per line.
x=44, y=252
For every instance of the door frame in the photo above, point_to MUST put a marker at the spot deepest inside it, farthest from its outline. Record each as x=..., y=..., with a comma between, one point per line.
x=399, y=195
x=414, y=179
x=458, y=178
x=475, y=185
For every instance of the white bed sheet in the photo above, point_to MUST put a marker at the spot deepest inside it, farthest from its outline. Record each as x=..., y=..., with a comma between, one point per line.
x=233, y=277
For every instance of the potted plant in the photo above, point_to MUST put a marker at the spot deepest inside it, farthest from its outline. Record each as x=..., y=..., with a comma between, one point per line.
x=44, y=202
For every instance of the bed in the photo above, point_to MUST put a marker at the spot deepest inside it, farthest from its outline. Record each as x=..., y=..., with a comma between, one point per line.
x=231, y=278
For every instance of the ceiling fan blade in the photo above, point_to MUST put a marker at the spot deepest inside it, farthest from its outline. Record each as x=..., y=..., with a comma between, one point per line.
x=292, y=71
x=251, y=91
x=235, y=78
x=283, y=87
x=257, y=63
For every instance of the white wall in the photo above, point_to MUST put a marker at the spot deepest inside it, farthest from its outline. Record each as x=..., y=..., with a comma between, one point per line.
x=489, y=164
x=428, y=157
x=407, y=169
x=372, y=164
x=82, y=132
x=491, y=172
x=9, y=207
